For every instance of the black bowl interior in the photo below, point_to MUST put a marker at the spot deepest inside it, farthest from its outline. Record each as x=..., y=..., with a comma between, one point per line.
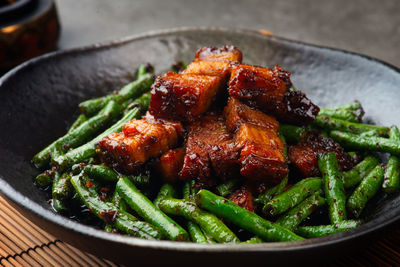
x=39, y=100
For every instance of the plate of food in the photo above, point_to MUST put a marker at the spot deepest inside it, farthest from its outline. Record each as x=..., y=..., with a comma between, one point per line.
x=203, y=144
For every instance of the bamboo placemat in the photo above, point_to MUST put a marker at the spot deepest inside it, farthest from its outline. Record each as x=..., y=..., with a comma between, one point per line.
x=24, y=244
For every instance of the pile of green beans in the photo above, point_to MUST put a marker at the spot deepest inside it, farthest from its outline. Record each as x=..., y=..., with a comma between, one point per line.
x=140, y=206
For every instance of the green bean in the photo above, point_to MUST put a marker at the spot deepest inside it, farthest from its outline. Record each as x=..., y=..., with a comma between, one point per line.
x=195, y=233
x=81, y=119
x=209, y=239
x=253, y=240
x=88, y=150
x=59, y=205
x=333, y=187
x=368, y=187
x=143, y=70
x=270, y=193
x=166, y=191
x=330, y=123
x=296, y=215
x=61, y=186
x=391, y=181
x=354, y=176
x=243, y=218
x=293, y=196
x=354, y=141
x=228, y=187
x=141, y=103
x=121, y=205
x=189, y=190
x=292, y=133
x=148, y=211
x=394, y=133
x=324, y=230
x=101, y=172
x=355, y=105
x=140, y=180
x=119, y=202
x=207, y=221
x=109, y=213
x=131, y=90
x=342, y=114
x=79, y=135
x=45, y=178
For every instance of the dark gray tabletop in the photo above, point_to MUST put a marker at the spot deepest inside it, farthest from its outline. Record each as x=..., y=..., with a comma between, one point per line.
x=368, y=27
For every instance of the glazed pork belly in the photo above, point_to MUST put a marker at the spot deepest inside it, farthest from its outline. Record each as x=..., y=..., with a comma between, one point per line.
x=257, y=138
x=139, y=141
x=237, y=113
x=182, y=97
x=210, y=151
x=170, y=164
x=304, y=156
x=269, y=90
x=185, y=96
x=220, y=69
x=244, y=198
x=261, y=153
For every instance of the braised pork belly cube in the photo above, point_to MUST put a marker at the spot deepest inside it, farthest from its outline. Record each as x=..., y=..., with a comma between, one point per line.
x=268, y=90
x=182, y=97
x=296, y=108
x=139, y=141
x=237, y=113
x=227, y=53
x=262, y=87
x=170, y=164
x=210, y=151
x=167, y=123
x=220, y=69
x=243, y=198
x=304, y=156
x=261, y=154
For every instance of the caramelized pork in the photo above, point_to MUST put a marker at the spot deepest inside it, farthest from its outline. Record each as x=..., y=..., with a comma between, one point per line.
x=268, y=90
x=261, y=154
x=210, y=151
x=296, y=108
x=244, y=198
x=237, y=113
x=139, y=141
x=227, y=53
x=182, y=97
x=304, y=156
x=170, y=164
x=220, y=69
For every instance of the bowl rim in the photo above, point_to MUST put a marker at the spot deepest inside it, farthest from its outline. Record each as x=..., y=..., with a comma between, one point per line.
x=270, y=247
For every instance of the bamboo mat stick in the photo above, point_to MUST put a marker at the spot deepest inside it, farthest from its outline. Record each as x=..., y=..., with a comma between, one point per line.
x=35, y=237
x=39, y=234
x=77, y=254
x=22, y=245
x=4, y=250
x=68, y=257
x=10, y=262
x=30, y=261
x=22, y=261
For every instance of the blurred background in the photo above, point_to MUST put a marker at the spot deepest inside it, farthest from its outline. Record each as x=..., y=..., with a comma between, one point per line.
x=367, y=27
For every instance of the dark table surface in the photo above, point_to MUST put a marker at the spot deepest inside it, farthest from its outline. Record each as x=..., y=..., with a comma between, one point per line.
x=367, y=27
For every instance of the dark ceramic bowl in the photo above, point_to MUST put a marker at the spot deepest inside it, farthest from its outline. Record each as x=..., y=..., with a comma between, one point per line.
x=39, y=100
